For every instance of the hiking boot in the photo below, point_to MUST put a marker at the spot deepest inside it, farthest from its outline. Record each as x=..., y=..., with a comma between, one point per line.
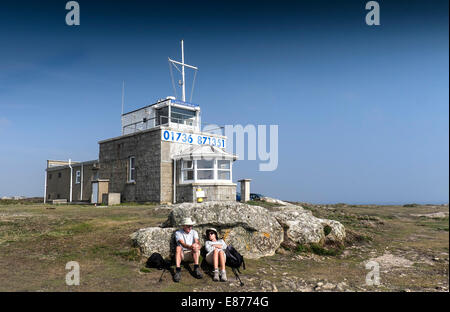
x=216, y=276
x=177, y=276
x=197, y=273
x=223, y=276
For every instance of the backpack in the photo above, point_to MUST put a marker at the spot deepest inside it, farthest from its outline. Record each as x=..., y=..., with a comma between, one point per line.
x=234, y=260
x=156, y=261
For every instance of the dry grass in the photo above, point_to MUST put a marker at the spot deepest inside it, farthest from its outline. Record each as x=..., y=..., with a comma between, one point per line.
x=37, y=242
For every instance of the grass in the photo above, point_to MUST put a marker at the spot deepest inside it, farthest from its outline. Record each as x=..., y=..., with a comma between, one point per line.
x=411, y=205
x=145, y=270
x=319, y=250
x=441, y=224
x=36, y=243
x=25, y=201
x=327, y=229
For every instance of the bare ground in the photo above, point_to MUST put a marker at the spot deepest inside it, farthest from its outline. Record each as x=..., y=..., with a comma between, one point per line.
x=410, y=244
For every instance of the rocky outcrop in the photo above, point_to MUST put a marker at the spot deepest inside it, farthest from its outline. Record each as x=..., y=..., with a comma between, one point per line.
x=253, y=230
x=301, y=227
x=154, y=239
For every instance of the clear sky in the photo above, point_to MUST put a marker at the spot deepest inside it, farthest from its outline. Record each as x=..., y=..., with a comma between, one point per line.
x=362, y=111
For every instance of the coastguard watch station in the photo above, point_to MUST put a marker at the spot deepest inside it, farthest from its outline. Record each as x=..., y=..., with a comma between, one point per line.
x=161, y=156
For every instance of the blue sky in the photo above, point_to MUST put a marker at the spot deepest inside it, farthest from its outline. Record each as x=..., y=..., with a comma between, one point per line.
x=362, y=111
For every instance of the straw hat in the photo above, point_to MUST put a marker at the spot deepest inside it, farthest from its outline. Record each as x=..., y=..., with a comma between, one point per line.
x=187, y=221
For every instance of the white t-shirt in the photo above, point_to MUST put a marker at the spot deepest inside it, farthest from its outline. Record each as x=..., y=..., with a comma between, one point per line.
x=187, y=238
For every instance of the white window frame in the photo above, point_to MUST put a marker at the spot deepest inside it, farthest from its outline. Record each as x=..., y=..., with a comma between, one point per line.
x=78, y=177
x=195, y=170
x=213, y=169
x=229, y=170
x=131, y=169
x=185, y=169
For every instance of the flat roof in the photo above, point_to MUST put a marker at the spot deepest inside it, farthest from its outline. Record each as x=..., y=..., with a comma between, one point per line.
x=73, y=164
x=177, y=102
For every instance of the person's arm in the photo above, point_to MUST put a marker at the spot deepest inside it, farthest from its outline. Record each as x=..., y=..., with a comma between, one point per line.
x=180, y=240
x=224, y=245
x=209, y=247
x=219, y=244
x=182, y=243
x=194, y=246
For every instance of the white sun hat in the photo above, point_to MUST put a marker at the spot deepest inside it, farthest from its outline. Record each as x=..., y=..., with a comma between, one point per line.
x=187, y=221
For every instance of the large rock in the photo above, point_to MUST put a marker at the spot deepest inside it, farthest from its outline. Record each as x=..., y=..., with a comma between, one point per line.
x=154, y=239
x=254, y=231
x=301, y=227
x=250, y=229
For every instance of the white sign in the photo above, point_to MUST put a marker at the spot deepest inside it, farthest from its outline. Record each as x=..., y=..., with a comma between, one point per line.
x=192, y=138
x=200, y=194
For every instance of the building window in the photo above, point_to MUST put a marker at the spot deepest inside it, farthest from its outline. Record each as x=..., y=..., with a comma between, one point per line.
x=77, y=177
x=187, y=170
x=182, y=116
x=205, y=170
x=49, y=176
x=223, y=169
x=59, y=174
x=131, y=169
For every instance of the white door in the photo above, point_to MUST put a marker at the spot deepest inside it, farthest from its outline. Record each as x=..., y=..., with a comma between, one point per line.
x=94, y=198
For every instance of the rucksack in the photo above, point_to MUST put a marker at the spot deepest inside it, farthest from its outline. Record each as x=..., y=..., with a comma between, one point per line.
x=234, y=260
x=156, y=261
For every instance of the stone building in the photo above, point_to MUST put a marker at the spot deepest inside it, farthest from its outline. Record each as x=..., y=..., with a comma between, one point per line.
x=70, y=180
x=162, y=156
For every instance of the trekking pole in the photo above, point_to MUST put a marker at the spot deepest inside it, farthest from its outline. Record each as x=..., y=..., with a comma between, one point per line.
x=160, y=279
x=237, y=276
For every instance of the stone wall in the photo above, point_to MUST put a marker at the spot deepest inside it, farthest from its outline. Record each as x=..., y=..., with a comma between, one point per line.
x=166, y=173
x=58, y=187
x=213, y=192
x=61, y=185
x=88, y=176
x=114, y=156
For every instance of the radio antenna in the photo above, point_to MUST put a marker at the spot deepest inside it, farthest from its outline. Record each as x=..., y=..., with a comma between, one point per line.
x=123, y=93
x=183, y=65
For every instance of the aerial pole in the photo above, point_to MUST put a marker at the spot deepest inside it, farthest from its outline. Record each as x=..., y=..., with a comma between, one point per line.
x=182, y=72
x=123, y=92
x=183, y=78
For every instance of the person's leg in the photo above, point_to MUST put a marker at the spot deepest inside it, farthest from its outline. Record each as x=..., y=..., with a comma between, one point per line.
x=178, y=258
x=216, y=259
x=222, y=261
x=196, y=256
x=213, y=260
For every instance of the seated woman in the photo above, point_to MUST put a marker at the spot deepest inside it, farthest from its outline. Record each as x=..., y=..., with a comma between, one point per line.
x=216, y=254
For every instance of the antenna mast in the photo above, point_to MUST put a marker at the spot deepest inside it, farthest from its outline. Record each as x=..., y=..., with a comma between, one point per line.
x=183, y=65
x=182, y=72
x=123, y=92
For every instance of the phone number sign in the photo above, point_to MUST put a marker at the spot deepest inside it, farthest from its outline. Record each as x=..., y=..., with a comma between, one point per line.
x=192, y=138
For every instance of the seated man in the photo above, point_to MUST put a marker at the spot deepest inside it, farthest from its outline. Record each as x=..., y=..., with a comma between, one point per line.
x=188, y=248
